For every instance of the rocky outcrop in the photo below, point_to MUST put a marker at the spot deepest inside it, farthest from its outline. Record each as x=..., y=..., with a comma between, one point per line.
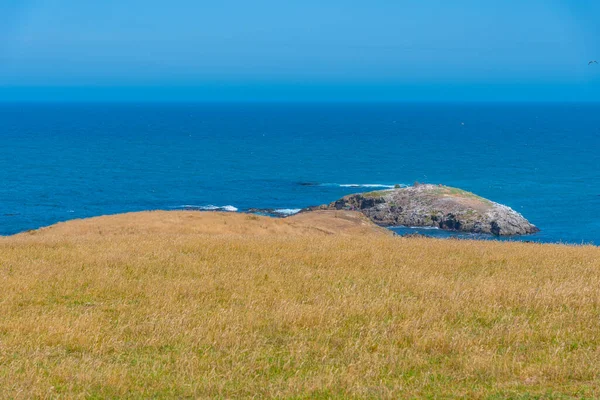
x=436, y=206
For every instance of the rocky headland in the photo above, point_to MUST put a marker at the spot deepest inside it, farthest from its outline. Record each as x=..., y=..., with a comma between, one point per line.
x=426, y=205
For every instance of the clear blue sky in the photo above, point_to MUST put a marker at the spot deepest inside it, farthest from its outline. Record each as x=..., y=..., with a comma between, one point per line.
x=460, y=50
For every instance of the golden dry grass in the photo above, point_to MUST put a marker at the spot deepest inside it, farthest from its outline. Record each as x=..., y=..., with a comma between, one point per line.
x=208, y=305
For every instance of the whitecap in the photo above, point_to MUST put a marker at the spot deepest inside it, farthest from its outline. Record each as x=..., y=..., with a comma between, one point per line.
x=353, y=185
x=209, y=207
x=368, y=185
x=287, y=211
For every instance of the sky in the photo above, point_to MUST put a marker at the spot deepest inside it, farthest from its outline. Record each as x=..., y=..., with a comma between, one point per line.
x=309, y=50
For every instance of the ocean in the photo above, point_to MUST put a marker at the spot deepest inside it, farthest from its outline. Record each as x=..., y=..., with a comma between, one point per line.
x=66, y=161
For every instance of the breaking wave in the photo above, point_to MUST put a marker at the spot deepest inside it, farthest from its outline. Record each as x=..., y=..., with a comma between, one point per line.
x=209, y=207
x=353, y=185
x=366, y=185
x=287, y=211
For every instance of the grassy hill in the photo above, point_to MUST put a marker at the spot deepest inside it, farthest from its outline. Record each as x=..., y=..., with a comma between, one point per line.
x=320, y=305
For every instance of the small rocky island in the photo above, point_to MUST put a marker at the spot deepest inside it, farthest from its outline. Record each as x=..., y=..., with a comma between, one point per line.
x=425, y=205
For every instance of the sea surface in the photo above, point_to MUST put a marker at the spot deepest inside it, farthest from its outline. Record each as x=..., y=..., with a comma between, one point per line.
x=66, y=161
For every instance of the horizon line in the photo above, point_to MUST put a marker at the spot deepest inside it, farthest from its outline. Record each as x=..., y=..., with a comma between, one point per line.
x=296, y=101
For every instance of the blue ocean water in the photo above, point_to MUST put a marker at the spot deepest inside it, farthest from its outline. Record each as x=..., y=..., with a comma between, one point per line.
x=65, y=161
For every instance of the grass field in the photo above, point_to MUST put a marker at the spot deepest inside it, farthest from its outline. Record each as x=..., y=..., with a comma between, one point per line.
x=324, y=305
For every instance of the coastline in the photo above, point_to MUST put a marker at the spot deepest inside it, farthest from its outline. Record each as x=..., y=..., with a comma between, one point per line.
x=381, y=190
x=324, y=224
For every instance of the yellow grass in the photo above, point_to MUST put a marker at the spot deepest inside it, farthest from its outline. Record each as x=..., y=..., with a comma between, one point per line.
x=202, y=305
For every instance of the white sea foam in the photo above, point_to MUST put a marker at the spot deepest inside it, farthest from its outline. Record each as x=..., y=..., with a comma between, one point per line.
x=366, y=185
x=209, y=207
x=287, y=211
x=415, y=227
x=354, y=185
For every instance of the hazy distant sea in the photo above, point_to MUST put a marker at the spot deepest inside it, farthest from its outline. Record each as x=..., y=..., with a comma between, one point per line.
x=62, y=161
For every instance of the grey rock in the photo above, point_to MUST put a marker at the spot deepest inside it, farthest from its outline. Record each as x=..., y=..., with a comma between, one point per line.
x=435, y=206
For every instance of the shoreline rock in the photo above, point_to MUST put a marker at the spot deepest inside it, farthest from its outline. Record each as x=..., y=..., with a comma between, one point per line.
x=426, y=205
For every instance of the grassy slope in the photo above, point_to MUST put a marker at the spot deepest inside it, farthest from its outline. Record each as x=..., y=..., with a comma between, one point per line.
x=226, y=305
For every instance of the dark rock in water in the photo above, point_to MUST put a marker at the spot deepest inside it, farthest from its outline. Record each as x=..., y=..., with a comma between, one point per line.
x=264, y=211
x=435, y=206
x=414, y=235
x=308, y=184
x=273, y=212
